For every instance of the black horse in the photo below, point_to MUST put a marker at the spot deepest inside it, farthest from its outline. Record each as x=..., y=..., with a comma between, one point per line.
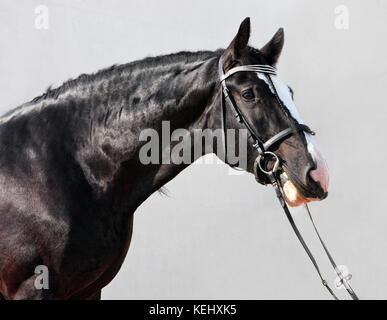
x=71, y=176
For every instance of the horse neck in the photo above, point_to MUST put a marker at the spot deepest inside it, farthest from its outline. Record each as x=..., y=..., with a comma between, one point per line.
x=182, y=94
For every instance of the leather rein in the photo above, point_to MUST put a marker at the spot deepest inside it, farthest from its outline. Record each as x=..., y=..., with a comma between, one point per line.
x=264, y=153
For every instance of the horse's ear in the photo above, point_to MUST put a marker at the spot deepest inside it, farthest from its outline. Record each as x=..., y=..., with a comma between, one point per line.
x=272, y=50
x=237, y=46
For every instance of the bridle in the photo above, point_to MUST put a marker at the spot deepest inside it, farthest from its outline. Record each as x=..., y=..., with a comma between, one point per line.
x=264, y=154
x=262, y=147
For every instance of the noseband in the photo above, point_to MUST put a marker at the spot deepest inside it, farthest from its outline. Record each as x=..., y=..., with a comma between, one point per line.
x=264, y=153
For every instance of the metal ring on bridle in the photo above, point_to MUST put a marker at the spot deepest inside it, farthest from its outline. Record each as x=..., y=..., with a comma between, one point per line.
x=258, y=163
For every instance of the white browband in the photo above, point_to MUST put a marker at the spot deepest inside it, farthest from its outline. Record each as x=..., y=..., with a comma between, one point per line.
x=263, y=68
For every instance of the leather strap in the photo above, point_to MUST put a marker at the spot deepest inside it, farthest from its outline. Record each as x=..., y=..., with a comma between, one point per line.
x=279, y=136
x=252, y=68
x=333, y=263
x=257, y=143
x=284, y=206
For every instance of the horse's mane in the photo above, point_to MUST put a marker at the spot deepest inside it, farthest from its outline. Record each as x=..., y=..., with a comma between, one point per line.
x=170, y=59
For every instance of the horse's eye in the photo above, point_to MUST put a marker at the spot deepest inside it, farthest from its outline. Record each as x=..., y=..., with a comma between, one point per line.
x=248, y=95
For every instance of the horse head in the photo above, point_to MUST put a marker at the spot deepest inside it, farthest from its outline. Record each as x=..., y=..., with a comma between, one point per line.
x=268, y=107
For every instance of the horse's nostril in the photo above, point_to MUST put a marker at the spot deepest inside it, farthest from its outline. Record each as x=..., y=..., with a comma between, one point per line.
x=320, y=174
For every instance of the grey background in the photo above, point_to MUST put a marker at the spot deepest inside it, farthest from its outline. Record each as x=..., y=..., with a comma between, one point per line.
x=219, y=235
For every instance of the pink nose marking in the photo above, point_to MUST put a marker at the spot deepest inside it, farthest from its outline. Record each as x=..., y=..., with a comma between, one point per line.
x=320, y=174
